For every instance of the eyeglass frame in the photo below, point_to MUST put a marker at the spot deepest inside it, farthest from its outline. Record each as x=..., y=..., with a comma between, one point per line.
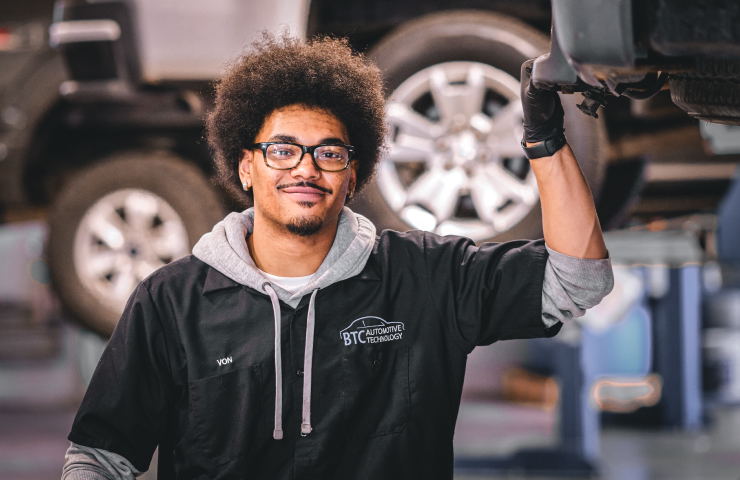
x=304, y=150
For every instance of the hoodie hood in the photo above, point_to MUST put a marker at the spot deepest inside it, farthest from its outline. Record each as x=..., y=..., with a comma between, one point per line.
x=225, y=249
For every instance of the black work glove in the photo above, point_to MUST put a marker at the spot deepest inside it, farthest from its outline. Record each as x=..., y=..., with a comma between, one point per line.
x=543, y=113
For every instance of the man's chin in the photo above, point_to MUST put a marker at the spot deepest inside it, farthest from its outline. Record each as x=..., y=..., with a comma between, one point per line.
x=305, y=226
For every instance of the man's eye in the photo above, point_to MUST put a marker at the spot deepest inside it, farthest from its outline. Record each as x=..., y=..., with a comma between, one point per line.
x=282, y=153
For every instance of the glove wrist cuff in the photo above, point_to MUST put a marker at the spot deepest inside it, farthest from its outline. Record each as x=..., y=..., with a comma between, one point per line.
x=547, y=148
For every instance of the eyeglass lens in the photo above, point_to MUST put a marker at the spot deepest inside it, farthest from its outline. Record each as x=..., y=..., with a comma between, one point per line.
x=328, y=157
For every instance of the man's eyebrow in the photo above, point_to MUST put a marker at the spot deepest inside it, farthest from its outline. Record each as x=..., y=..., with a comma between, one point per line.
x=283, y=137
x=332, y=140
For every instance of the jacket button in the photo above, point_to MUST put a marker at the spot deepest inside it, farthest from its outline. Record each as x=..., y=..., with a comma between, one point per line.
x=299, y=373
x=376, y=363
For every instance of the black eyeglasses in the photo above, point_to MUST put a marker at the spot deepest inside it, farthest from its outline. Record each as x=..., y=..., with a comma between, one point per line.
x=287, y=156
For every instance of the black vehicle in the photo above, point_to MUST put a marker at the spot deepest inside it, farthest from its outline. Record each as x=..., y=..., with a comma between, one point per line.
x=101, y=117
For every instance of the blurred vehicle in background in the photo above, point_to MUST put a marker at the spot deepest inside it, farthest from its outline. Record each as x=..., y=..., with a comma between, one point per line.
x=106, y=127
x=632, y=48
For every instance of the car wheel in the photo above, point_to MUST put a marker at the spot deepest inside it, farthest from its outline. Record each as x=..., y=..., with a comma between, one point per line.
x=116, y=222
x=455, y=163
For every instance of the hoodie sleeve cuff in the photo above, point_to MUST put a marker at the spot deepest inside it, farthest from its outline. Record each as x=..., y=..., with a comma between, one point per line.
x=87, y=463
x=572, y=285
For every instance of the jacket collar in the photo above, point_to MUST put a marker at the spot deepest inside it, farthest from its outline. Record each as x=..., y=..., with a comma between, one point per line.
x=216, y=280
x=369, y=273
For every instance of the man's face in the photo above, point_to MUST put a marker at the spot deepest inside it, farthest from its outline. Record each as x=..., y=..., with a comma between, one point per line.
x=305, y=199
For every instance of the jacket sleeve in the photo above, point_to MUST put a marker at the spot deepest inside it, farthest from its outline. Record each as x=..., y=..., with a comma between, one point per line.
x=84, y=463
x=573, y=285
x=125, y=408
x=489, y=292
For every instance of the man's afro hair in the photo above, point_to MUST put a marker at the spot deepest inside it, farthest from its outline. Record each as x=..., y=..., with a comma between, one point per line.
x=278, y=71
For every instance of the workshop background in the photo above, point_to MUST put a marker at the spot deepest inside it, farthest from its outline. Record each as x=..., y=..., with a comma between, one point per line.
x=104, y=177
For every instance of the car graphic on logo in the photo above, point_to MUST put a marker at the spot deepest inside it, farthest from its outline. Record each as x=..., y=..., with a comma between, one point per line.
x=371, y=330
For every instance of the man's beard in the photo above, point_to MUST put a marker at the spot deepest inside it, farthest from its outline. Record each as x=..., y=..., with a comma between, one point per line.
x=305, y=226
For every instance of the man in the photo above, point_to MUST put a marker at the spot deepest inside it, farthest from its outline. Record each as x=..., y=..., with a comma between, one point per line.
x=296, y=343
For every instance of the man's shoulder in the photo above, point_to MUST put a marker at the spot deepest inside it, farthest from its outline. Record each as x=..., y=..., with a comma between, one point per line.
x=412, y=248
x=178, y=275
x=391, y=241
x=406, y=245
x=418, y=240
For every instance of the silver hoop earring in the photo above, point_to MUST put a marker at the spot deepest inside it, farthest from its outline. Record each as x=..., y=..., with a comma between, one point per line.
x=245, y=185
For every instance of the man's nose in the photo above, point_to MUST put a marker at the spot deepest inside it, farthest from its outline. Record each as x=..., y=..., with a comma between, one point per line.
x=306, y=168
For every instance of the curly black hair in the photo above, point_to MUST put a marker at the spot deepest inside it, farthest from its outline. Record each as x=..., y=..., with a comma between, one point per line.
x=279, y=71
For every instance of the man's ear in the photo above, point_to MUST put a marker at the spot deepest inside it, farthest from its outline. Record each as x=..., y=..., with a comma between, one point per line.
x=245, y=167
x=353, y=167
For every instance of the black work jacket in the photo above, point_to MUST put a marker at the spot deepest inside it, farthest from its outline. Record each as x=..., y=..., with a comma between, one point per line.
x=190, y=365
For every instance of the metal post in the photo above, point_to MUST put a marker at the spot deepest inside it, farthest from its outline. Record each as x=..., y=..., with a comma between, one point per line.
x=677, y=336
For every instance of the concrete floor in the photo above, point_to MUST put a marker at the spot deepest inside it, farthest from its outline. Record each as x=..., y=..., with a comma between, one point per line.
x=32, y=444
x=712, y=453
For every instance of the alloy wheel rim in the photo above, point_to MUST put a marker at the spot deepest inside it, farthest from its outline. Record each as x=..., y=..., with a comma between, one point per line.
x=122, y=239
x=455, y=164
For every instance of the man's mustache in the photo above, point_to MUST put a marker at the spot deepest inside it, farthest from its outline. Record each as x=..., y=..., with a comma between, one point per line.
x=306, y=184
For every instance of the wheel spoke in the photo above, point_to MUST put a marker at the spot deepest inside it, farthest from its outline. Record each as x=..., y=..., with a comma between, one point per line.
x=140, y=210
x=106, y=226
x=411, y=122
x=453, y=101
x=475, y=91
x=506, y=131
x=123, y=284
x=438, y=190
x=481, y=123
x=508, y=120
x=509, y=185
x=169, y=241
x=486, y=197
x=144, y=268
x=508, y=146
x=102, y=263
x=447, y=105
x=408, y=148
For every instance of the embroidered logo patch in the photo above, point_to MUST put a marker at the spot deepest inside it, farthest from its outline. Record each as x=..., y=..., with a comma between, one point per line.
x=371, y=330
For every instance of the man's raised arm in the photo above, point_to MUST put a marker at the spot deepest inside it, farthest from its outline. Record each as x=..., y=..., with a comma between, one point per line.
x=569, y=218
x=578, y=273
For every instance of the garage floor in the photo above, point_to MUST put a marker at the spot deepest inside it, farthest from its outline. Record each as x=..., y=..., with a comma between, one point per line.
x=32, y=444
x=627, y=454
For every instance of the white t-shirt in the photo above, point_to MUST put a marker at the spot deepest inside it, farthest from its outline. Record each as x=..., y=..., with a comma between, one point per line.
x=291, y=284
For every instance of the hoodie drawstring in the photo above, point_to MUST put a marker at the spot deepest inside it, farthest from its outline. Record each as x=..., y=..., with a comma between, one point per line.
x=277, y=434
x=307, y=366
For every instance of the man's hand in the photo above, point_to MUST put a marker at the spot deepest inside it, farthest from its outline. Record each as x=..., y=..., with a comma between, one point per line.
x=543, y=113
x=569, y=219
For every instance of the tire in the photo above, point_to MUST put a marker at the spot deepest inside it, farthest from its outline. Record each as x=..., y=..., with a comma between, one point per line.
x=712, y=93
x=149, y=209
x=492, y=40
